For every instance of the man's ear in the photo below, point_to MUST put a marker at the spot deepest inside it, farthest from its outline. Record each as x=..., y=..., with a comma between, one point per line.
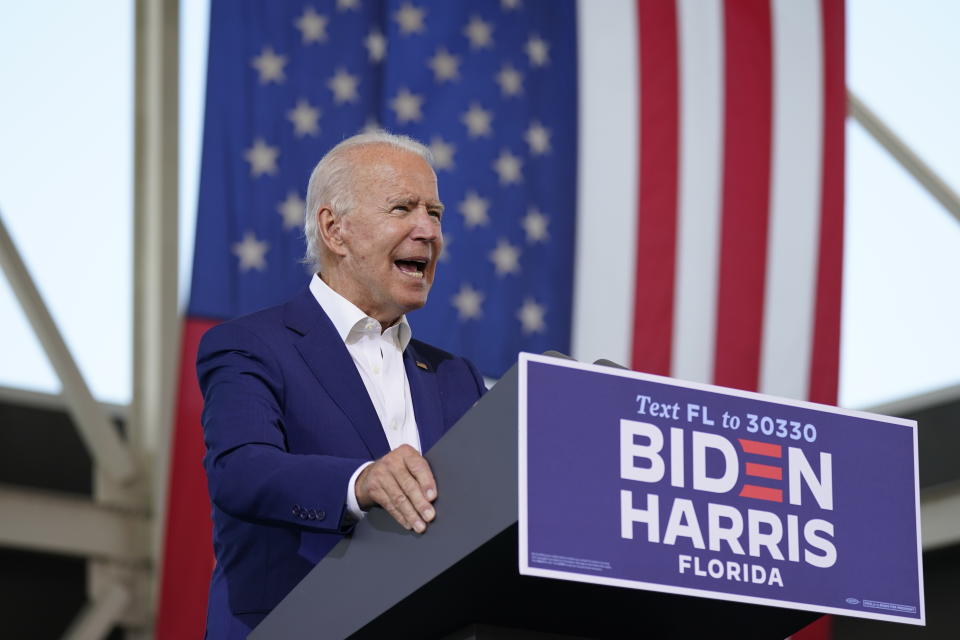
x=329, y=228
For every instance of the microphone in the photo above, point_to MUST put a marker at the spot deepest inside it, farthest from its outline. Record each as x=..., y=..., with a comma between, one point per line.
x=557, y=354
x=610, y=363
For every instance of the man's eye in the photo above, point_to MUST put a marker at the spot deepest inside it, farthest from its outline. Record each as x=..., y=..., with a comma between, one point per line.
x=436, y=213
x=401, y=207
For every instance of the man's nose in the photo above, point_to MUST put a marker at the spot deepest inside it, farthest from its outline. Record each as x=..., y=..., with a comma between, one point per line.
x=426, y=225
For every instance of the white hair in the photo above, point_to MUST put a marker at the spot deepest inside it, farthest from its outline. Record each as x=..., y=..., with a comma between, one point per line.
x=331, y=182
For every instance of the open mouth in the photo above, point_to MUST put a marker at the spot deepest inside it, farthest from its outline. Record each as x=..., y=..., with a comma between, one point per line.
x=413, y=267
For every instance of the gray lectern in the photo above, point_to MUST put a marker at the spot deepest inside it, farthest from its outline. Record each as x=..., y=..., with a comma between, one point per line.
x=460, y=580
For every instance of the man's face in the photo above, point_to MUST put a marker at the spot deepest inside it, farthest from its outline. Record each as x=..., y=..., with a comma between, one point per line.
x=391, y=240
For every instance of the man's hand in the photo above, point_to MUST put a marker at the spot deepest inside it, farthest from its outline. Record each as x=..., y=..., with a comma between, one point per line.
x=401, y=482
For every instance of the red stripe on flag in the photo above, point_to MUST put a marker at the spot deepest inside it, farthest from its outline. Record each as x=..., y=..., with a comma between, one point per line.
x=188, y=542
x=746, y=192
x=761, y=493
x=764, y=471
x=657, y=201
x=820, y=629
x=825, y=360
x=761, y=448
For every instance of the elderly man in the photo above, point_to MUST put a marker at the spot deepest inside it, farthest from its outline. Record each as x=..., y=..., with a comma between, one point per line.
x=319, y=409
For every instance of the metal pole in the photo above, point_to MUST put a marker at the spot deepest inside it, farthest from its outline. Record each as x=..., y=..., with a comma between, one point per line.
x=156, y=324
x=910, y=161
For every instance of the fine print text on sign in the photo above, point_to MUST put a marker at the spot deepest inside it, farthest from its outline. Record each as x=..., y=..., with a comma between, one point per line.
x=641, y=481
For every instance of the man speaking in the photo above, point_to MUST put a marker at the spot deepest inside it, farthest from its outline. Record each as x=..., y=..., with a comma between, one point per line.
x=319, y=409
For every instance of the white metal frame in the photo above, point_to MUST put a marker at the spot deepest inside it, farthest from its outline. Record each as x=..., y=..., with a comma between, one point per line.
x=939, y=506
x=36, y=520
x=902, y=153
x=98, y=434
x=119, y=531
x=72, y=525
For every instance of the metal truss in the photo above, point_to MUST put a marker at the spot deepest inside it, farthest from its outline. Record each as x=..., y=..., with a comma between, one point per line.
x=940, y=506
x=902, y=153
x=119, y=531
x=96, y=430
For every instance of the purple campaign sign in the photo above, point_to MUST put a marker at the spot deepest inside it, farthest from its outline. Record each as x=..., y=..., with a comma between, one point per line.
x=646, y=482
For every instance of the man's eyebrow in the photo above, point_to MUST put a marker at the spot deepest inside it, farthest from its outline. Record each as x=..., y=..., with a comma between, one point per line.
x=411, y=200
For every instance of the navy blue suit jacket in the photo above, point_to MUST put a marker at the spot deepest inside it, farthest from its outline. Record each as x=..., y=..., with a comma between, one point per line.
x=287, y=420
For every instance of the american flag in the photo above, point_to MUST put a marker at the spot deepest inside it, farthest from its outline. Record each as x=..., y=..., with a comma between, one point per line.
x=711, y=251
x=490, y=87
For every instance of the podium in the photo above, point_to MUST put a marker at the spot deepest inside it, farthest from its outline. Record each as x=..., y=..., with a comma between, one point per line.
x=460, y=580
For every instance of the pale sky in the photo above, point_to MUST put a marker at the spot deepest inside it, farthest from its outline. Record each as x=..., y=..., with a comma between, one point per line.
x=66, y=190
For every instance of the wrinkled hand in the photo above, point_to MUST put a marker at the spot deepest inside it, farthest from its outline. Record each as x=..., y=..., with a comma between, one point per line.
x=401, y=482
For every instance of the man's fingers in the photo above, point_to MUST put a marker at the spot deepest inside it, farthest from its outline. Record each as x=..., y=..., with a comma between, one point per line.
x=413, y=491
x=401, y=502
x=421, y=488
x=394, y=498
x=420, y=469
x=384, y=493
x=402, y=483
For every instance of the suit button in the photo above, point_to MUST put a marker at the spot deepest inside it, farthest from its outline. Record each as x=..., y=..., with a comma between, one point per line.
x=321, y=515
x=311, y=514
x=296, y=510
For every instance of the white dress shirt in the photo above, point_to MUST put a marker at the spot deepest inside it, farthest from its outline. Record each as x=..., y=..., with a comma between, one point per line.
x=378, y=356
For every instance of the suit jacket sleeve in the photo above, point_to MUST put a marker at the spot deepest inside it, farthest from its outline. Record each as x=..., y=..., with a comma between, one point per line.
x=251, y=473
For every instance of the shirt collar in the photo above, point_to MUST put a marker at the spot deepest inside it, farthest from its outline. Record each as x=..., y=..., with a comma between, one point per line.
x=347, y=317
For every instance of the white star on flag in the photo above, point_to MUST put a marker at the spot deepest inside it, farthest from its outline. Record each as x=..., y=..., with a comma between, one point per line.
x=371, y=125
x=269, y=65
x=505, y=258
x=376, y=44
x=538, y=138
x=410, y=19
x=304, y=118
x=262, y=158
x=292, y=210
x=474, y=210
x=479, y=33
x=251, y=252
x=312, y=26
x=538, y=50
x=531, y=315
x=407, y=106
x=445, y=66
x=508, y=167
x=477, y=119
x=535, y=225
x=347, y=5
x=344, y=86
x=442, y=153
x=468, y=302
x=509, y=5
x=510, y=81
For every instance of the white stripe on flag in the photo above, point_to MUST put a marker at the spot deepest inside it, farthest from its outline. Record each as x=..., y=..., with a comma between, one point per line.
x=793, y=237
x=700, y=35
x=607, y=182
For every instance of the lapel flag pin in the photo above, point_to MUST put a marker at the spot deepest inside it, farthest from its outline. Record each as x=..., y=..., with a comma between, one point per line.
x=423, y=365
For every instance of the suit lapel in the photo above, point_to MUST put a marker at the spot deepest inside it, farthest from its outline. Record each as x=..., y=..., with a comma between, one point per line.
x=327, y=357
x=426, y=398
